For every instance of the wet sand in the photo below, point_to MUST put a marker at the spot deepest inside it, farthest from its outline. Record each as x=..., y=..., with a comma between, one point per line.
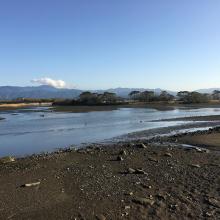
x=195, y=118
x=161, y=106
x=126, y=180
x=209, y=139
x=14, y=106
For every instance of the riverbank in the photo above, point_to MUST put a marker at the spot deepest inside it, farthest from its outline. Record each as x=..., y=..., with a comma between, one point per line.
x=194, y=118
x=130, y=180
x=161, y=106
x=14, y=106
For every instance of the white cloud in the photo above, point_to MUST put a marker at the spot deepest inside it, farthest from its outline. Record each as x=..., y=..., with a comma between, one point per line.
x=50, y=82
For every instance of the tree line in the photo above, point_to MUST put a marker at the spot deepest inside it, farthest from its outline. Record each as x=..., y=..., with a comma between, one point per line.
x=109, y=98
x=91, y=98
x=185, y=97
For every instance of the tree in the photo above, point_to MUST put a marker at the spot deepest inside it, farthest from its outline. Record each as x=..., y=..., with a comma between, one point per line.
x=165, y=96
x=182, y=95
x=108, y=97
x=147, y=96
x=88, y=98
x=134, y=94
x=195, y=97
x=216, y=94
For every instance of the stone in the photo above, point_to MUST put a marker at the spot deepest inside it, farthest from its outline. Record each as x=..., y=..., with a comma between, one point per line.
x=123, y=152
x=131, y=170
x=130, y=194
x=140, y=171
x=143, y=201
x=152, y=159
x=142, y=146
x=195, y=165
x=31, y=184
x=100, y=217
x=120, y=158
x=168, y=155
x=213, y=202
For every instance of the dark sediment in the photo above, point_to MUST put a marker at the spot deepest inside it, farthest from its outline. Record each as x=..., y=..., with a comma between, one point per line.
x=124, y=181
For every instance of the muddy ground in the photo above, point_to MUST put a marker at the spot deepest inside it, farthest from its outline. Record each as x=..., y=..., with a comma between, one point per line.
x=122, y=181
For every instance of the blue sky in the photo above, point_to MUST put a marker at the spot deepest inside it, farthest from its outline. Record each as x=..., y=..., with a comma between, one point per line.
x=172, y=44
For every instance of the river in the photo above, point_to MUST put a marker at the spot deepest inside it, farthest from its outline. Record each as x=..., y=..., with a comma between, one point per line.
x=36, y=130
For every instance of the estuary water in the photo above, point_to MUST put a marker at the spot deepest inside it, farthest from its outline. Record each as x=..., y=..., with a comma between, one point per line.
x=35, y=130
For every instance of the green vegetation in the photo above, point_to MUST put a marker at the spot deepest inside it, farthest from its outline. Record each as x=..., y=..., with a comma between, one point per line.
x=150, y=96
x=193, y=97
x=88, y=98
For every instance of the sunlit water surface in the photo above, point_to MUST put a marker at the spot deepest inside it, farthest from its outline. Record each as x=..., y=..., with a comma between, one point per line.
x=39, y=130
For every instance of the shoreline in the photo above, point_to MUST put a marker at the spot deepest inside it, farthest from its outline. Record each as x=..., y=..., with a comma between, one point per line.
x=15, y=106
x=84, y=109
x=156, y=106
x=141, y=179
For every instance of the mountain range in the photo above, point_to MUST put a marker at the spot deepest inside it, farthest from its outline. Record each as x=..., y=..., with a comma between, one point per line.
x=13, y=92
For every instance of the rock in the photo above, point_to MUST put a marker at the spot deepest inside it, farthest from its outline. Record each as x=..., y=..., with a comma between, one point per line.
x=136, y=171
x=173, y=207
x=168, y=155
x=209, y=214
x=131, y=171
x=119, y=158
x=153, y=159
x=129, y=194
x=31, y=184
x=195, y=165
x=123, y=152
x=100, y=217
x=213, y=202
x=143, y=201
x=127, y=207
x=141, y=145
x=140, y=171
x=7, y=159
x=161, y=197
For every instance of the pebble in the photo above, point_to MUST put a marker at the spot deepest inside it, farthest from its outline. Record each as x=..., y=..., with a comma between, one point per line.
x=140, y=171
x=127, y=207
x=143, y=201
x=153, y=159
x=136, y=171
x=100, y=217
x=123, y=152
x=195, y=165
x=213, y=202
x=131, y=170
x=31, y=184
x=142, y=146
x=120, y=158
x=168, y=155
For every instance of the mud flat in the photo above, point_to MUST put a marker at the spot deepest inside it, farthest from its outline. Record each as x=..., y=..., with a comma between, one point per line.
x=209, y=139
x=195, y=118
x=133, y=180
x=13, y=106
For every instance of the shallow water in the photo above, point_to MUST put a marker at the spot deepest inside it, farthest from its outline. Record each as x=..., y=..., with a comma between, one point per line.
x=39, y=130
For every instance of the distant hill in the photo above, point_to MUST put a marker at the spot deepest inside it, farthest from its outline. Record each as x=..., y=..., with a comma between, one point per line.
x=13, y=92
x=210, y=90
